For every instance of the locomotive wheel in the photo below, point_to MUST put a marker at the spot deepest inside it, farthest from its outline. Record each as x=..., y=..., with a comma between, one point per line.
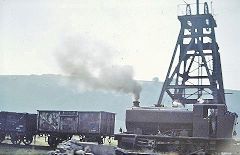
x=27, y=140
x=15, y=139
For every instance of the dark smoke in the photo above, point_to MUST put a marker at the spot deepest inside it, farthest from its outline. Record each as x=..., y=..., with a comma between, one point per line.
x=91, y=64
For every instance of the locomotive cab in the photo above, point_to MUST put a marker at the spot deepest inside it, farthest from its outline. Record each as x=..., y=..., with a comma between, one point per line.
x=213, y=120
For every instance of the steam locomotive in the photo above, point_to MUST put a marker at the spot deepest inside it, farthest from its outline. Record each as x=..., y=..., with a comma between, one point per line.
x=208, y=127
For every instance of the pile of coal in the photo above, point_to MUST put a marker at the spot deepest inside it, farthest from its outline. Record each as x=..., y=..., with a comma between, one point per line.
x=71, y=147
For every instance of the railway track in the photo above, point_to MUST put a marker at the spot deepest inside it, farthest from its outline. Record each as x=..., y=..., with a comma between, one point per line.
x=36, y=147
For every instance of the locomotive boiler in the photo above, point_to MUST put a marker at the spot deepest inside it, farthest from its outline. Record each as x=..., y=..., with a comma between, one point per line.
x=205, y=120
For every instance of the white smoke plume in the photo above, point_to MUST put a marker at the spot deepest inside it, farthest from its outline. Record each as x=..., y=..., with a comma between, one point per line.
x=91, y=64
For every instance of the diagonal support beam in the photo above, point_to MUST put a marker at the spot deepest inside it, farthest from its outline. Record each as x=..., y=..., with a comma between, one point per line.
x=200, y=50
x=168, y=80
x=170, y=66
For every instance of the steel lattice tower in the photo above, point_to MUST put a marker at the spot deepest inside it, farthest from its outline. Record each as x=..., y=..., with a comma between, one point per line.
x=197, y=74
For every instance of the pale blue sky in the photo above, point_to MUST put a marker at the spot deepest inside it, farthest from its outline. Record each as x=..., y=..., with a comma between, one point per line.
x=143, y=32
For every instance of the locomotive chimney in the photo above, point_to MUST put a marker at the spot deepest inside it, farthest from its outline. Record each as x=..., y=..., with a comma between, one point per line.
x=136, y=103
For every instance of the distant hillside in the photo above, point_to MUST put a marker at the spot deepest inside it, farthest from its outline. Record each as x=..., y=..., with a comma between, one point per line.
x=28, y=93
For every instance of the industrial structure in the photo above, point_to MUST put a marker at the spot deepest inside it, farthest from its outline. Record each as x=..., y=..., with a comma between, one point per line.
x=198, y=73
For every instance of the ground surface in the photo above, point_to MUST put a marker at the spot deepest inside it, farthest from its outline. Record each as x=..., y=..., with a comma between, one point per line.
x=39, y=141
x=8, y=150
x=12, y=150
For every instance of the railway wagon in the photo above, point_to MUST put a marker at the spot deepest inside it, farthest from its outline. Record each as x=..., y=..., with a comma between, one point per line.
x=21, y=127
x=62, y=125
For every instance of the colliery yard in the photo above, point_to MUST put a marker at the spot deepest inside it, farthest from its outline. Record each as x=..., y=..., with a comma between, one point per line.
x=208, y=127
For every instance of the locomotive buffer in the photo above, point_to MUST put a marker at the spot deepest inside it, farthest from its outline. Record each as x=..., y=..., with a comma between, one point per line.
x=196, y=81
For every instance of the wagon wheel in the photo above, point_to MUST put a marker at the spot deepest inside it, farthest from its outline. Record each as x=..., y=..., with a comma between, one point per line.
x=82, y=138
x=27, y=140
x=52, y=141
x=109, y=140
x=69, y=137
x=99, y=140
x=15, y=139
